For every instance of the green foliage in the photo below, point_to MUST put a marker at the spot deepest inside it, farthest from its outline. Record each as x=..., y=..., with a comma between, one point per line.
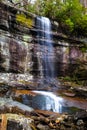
x=67, y=78
x=70, y=14
x=81, y=26
x=84, y=48
x=69, y=24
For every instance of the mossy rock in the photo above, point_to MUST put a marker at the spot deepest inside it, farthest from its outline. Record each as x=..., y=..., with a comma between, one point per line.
x=26, y=21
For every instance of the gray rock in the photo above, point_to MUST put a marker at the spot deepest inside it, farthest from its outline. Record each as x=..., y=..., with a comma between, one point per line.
x=9, y=103
x=80, y=122
x=43, y=127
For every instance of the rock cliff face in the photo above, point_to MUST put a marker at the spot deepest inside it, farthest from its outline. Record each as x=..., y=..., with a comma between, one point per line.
x=19, y=48
x=15, y=41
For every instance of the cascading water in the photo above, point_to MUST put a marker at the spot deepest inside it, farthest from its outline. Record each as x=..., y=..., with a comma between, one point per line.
x=46, y=66
x=45, y=56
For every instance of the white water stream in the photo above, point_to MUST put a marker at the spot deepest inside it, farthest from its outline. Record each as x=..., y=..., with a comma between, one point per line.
x=53, y=102
x=46, y=65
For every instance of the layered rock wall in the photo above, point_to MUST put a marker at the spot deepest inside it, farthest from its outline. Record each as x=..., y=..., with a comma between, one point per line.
x=20, y=51
x=15, y=41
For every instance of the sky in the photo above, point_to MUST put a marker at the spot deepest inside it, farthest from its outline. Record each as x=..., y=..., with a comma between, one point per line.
x=20, y=0
x=33, y=1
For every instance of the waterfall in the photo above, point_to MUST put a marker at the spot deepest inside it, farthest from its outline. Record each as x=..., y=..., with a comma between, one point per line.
x=44, y=37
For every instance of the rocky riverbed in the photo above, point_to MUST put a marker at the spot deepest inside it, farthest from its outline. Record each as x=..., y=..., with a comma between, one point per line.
x=41, y=120
x=11, y=107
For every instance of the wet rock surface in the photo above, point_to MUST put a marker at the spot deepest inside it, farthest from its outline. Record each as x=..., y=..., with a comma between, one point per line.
x=42, y=119
x=81, y=91
x=10, y=121
x=20, y=60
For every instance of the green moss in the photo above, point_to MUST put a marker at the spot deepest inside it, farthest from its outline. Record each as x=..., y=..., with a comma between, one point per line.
x=21, y=18
x=67, y=78
x=84, y=48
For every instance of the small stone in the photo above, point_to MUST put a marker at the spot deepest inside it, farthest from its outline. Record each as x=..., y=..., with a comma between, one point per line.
x=80, y=122
x=42, y=127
